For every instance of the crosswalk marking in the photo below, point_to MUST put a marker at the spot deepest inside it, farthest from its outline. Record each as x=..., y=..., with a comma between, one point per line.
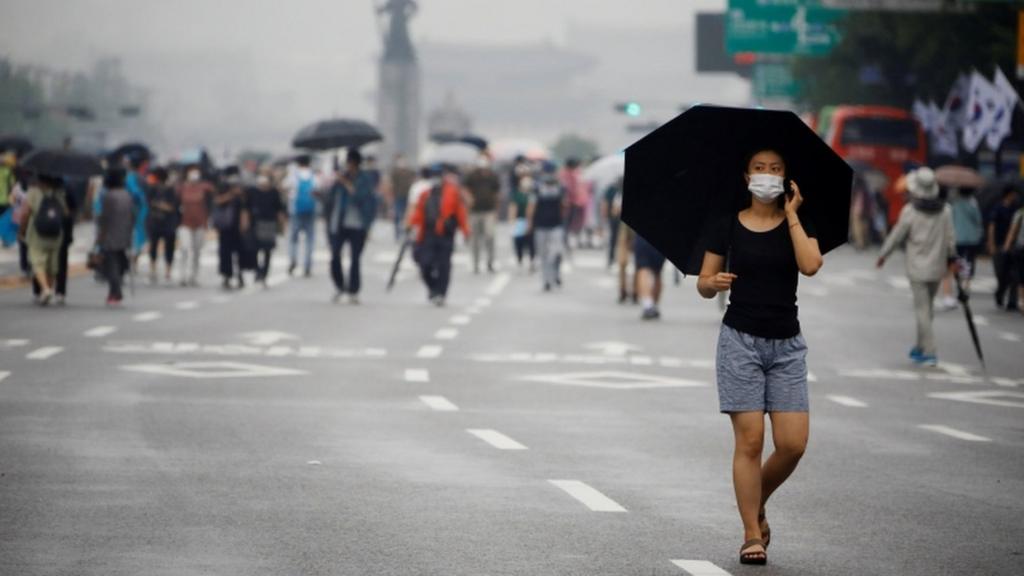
x=446, y=334
x=100, y=331
x=417, y=375
x=429, y=351
x=1009, y=336
x=3, y=375
x=498, y=284
x=147, y=316
x=847, y=401
x=44, y=352
x=187, y=305
x=460, y=320
x=496, y=439
x=439, y=403
x=700, y=568
x=953, y=432
x=588, y=496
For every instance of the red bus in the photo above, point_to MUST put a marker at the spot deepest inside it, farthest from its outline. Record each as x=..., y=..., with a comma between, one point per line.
x=887, y=139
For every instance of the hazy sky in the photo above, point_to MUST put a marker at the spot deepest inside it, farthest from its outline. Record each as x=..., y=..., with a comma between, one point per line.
x=253, y=69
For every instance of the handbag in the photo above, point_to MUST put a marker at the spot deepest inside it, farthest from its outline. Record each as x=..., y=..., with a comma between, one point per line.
x=266, y=231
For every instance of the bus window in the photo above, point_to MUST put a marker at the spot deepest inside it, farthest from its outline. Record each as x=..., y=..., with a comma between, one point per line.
x=875, y=131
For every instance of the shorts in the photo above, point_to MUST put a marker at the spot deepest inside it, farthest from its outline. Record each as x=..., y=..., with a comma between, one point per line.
x=761, y=374
x=647, y=256
x=44, y=258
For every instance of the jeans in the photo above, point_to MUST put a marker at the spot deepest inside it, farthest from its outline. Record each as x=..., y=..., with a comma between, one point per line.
x=434, y=256
x=302, y=224
x=524, y=245
x=549, y=247
x=924, y=311
x=482, y=225
x=191, y=243
x=356, y=239
x=1006, y=278
x=229, y=248
x=263, y=263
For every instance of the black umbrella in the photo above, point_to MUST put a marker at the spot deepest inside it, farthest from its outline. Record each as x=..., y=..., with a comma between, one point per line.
x=132, y=150
x=398, y=263
x=62, y=163
x=964, y=299
x=472, y=139
x=331, y=134
x=17, y=144
x=688, y=174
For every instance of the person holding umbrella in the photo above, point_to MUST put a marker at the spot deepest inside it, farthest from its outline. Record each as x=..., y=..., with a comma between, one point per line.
x=351, y=207
x=762, y=356
x=925, y=228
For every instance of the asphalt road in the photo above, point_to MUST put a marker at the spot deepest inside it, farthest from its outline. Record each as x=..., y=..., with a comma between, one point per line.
x=511, y=432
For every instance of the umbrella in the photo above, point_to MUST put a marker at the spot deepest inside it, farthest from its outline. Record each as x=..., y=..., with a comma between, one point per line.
x=472, y=139
x=340, y=133
x=455, y=153
x=954, y=176
x=605, y=171
x=398, y=263
x=964, y=298
x=18, y=144
x=688, y=174
x=62, y=163
x=505, y=151
x=130, y=150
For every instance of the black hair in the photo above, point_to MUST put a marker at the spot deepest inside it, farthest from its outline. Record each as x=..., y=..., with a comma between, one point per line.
x=757, y=150
x=1009, y=188
x=426, y=172
x=303, y=161
x=50, y=181
x=114, y=177
x=160, y=174
x=137, y=161
x=354, y=157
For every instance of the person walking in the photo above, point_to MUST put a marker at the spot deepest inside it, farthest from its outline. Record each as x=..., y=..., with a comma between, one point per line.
x=925, y=229
x=401, y=181
x=60, y=285
x=351, y=205
x=162, y=223
x=1014, y=247
x=522, y=236
x=115, y=228
x=577, y=199
x=761, y=360
x=611, y=210
x=438, y=215
x=301, y=189
x=484, y=187
x=229, y=203
x=42, y=230
x=135, y=183
x=268, y=217
x=546, y=213
x=194, y=196
x=999, y=219
x=649, y=263
x=969, y=228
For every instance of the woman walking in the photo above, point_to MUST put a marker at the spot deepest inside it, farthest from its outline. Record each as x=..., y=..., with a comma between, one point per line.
x=162, y=223
x=757, y=254
x=268, y=217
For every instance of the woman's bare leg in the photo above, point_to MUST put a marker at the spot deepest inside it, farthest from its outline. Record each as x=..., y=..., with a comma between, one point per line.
x=746, y=468
x=790, y=431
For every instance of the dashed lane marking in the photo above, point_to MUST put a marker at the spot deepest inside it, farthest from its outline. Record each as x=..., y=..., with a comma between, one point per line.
x=991, y=397
x=147, y=316
x=954, y=433
x=100, y=331
x=446, y=334
x=588, y=496
x=1009, y=336
x=700, y=568
x=439, y=403
x=847, y=401
x=44, y=352
x=980, y=320
x=13, y=343
x=498, y=284
x=3, y=375
x=482, y=302
x=496, y=439
x=460, y=320
x=187, y=305
x=417, y=375
x=429, y=351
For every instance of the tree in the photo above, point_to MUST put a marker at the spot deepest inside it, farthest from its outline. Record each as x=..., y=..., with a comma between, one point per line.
x=574, y=146
x=891, y=58
x=24, y=109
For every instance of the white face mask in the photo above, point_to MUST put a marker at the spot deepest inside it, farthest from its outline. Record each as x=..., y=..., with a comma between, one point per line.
x=193, y=176
x=766, y=187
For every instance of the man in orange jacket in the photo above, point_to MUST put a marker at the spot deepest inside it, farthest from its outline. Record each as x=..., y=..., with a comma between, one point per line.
x=438, y=214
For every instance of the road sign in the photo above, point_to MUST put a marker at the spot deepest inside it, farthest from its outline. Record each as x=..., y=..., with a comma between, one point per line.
x=781, y=27
x=774, y=81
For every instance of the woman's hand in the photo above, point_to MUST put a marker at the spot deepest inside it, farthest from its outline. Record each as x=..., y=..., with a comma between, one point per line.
x=720, y=282
x=793, y=202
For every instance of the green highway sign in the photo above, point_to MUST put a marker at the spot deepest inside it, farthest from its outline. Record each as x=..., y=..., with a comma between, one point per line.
x=774, y=81
x=781, y=27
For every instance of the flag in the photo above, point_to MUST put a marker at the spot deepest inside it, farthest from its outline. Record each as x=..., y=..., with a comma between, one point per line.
x=979, y=111
x=953, y=108
x=1002, y=120
x=944, y=141
x=923, y=115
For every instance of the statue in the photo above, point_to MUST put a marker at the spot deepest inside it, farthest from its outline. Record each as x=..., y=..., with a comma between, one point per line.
x=398, y=91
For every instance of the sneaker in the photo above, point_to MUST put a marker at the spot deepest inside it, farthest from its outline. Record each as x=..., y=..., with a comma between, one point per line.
x=547, y=287
x=353, y=299
x=650, y=314
x=291, y=269
x=113, y=302
x=61, y=299
x=946, y=304
x=308, y=273
x=915, y=353
x=44, y=298
x=337, y=297
x=927, y=360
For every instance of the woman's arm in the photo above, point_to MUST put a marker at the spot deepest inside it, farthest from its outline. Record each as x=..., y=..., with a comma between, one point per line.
x=808, y=254
x=712, y=279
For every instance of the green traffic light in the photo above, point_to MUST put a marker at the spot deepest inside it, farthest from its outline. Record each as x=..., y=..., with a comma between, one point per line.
x=632, y=109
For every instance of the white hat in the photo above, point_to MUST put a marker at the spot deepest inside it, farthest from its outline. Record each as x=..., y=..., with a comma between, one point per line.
x=921, y=184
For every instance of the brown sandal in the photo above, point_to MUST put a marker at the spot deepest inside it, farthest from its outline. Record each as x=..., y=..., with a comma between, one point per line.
x=758, y=557
x=766, y=530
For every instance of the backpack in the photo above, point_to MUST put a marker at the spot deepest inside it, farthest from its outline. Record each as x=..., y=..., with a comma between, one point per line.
x=305, y=203
x=49, y=220
x=432, y=212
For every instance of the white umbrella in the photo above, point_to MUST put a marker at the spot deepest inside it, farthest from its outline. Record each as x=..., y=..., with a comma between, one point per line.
x=603, y=172
x=457, y=153
x=506, y=150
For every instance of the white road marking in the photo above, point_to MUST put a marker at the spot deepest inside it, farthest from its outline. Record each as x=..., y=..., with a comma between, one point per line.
x=496, y=439
x=459, y=320
x=3, y=375
x=588, y=496
x=473, y=310
x=482, y=302
x=847, y=401
x=267, y=337
x=1009, y=336
x=700, y=568
x=811, y=377
x=953, y=432
x=446, y=334
x=147, y=316
x=613, y=348
x=44, y=353
x=881, y=373
x=210, y=370
x=1007, y=382
x=641, y=360
x=990, y=397
x=187, y=305
x=900, y=282
x=498, y=284
x=100, y=331
x=13, y=342
x=980, y=320
x=417, y=375
x=314, y=463
x=277, y=280
x=429, y=351
x=439, y=403
x=817, y=291
x=958, y=370
x=614, y=380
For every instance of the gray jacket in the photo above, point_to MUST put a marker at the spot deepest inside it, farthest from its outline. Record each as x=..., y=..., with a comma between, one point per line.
x=117, y=220
x=929, y=239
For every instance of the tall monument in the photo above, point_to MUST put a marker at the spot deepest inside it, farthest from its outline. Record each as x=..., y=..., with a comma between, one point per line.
x=398, y=88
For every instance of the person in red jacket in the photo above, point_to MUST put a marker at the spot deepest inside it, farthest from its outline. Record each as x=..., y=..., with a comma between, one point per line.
x=438, y=214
